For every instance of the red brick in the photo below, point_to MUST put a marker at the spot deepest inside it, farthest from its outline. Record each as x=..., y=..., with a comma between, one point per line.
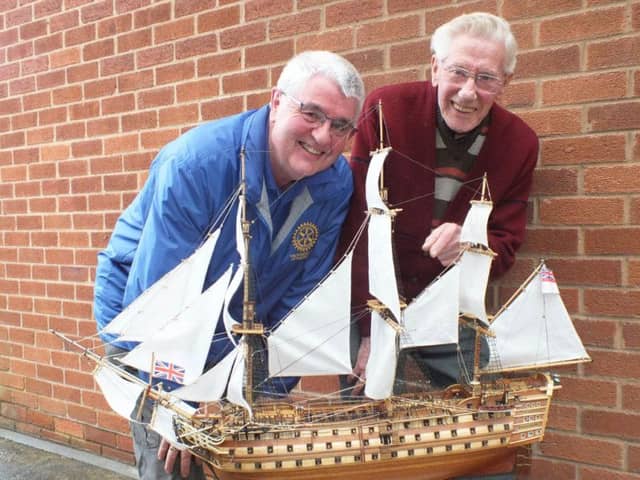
x=599, y=333
x=611, y=424
x=518, y=10
x=563, y=121
x=614, y=364
x=634, y=273
x=630, y=395
x=113, y=26
x=224, y=63
x=619, y=303
x=587, y=88
x=563, y=417
x=577, y=211
x=619, y=116
x=613, y=53
x=96, y=11
x=549, y=62
x=377, y=33
x=295, y=24
x=620, y=241
x=118, y=64
x=79, y=73
x=253, y=80
x=149, y=16
x=136, y=80
x=593, y=473
x=33, y=30
x=202, y=89
x=336, y=40
x=581, y=449
x=255, y=9
x=583, y=149
x=201, y=45
x=243, y=35
x=154, y=56
x=188, y=114
x=631, y=335
x=581, y=26
x=134, y=40
x=98, y=50
x=227, y=17
x=186, y=7
x=221, y=108
x=64, y=21
x=555, y=181
x=179, y=29
x=352, y=11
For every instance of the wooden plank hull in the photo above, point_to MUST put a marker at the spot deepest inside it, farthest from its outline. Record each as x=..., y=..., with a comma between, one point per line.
x=434, y=468
x=411, y=439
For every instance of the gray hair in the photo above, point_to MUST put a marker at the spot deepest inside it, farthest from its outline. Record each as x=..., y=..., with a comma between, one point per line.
x=479, y=24
x=301, y=68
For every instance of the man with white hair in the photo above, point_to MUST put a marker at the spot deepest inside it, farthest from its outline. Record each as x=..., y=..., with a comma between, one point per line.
x=445, y=135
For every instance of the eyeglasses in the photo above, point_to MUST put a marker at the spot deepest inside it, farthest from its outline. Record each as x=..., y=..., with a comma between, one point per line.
x=484, y=81
x=315, y=117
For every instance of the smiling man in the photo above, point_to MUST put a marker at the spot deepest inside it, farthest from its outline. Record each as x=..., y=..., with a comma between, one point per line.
x=445, y=135
x=297, y=183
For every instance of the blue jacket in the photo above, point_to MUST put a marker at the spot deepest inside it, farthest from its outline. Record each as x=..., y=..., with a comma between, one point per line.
x=189, y=183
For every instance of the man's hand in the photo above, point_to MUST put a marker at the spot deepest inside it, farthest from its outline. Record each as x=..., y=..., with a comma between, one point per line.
x=359, y=375
x=443, y=243
x=169, y=454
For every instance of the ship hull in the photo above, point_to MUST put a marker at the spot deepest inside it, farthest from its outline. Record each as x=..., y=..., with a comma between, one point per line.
x=435, y=468
x=409, y=438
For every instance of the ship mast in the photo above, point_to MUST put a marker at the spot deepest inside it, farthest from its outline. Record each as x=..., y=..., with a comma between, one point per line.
x=249, y=327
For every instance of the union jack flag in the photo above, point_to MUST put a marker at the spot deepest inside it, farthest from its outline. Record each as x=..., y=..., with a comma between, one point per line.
x=168, y=371
x=549, y=284
x=547, y=275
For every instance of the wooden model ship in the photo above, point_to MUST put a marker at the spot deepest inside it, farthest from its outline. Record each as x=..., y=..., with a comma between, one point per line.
x=424, y=434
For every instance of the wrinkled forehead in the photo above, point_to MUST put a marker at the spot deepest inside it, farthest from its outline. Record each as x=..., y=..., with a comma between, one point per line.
x=476, y=53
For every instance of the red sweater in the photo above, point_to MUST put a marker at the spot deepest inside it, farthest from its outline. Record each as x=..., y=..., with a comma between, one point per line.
x=508, y=157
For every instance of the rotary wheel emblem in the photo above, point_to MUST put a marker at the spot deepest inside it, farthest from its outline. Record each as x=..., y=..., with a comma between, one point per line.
x=305, y=237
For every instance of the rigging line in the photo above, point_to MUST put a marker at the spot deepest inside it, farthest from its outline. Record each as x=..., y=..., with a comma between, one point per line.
x=464, y=184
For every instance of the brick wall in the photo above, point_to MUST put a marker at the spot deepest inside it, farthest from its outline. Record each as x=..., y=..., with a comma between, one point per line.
x=89, y=90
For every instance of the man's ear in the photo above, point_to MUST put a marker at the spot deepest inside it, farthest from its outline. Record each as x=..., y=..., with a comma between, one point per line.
x=434, y=70
x=275, y=98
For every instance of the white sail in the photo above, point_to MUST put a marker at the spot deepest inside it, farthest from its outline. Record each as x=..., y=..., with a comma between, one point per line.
x=162, y=422
x=432, y=317
x=314, y=338
x=535, y=330
x=210, y=386
x=474, y=228
x=382, y=275
x=372, y=187
x=383, y=358
x=179, y=349
x=474, y=276
x=235, y=388
x=121, y=394
x=165, y=298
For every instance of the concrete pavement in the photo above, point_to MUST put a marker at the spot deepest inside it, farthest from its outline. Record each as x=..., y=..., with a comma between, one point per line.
x=26, y=458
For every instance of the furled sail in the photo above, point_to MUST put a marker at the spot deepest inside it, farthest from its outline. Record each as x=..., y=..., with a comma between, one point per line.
x=314, y=338
x=535, y=329
x=165, y=298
